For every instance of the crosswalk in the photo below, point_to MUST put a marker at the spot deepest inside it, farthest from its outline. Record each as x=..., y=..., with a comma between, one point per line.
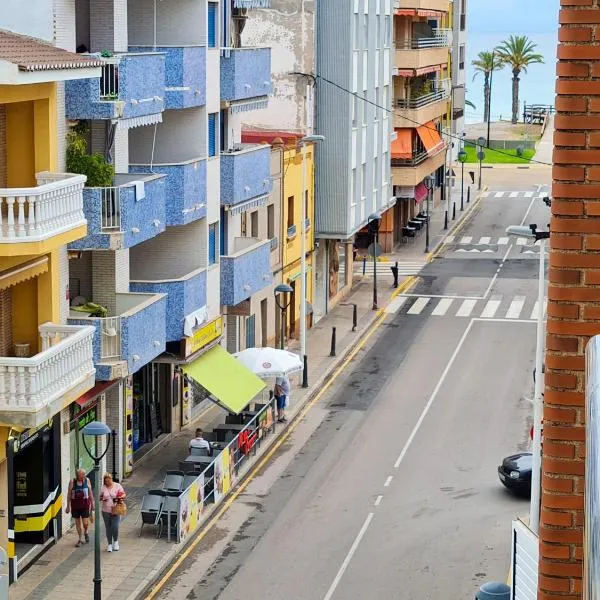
x=405, y=268
x=510, y=308
x=468, y=240
x=512, y=194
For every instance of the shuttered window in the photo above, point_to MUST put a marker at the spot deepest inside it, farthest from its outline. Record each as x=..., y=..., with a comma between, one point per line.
x=212, y=134
x=212, y=24
x=212, y=243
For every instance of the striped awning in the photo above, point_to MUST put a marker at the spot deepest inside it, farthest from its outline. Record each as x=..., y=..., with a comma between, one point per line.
x=19, y=273
x=138, y=121
x=238, y=209
x=251, y=4
x=246, y=105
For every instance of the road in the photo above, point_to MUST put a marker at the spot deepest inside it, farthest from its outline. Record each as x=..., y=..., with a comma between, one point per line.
x=388, y=489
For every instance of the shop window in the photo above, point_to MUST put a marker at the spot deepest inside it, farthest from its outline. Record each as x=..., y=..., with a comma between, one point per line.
x=342, y=266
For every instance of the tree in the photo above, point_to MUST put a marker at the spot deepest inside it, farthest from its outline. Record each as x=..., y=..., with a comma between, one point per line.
x=518, y=51
x=485, y=63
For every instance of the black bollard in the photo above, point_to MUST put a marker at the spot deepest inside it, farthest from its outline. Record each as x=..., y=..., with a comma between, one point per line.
x=364, y=265
x=305, y=373
x=454, y=211
x=332, y=353
x=468, y=194
x=354, y=316
x=395, y=274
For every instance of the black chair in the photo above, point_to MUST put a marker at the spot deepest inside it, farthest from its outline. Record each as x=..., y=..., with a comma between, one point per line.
x=188, y=479
x=169, y=515
x=173, y=481
x=152, y=504
x=200, y=452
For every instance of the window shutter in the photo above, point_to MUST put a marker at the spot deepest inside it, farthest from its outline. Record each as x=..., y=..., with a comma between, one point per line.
x=212, y=134
x=212, y=24
x=212, y=244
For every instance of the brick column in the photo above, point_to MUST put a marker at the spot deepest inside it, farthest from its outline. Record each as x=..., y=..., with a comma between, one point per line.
x=573, y=296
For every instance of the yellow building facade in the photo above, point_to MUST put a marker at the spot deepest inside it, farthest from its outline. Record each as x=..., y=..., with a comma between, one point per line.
x=298, y=187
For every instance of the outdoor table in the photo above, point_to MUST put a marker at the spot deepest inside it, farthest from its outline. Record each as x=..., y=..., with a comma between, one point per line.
x=198, y=462
x=222, y=429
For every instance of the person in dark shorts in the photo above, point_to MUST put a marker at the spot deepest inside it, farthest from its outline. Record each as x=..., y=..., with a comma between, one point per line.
x=80, y=501
x=281, y=391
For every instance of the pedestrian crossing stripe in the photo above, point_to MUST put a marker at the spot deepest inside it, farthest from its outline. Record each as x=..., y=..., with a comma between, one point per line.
x=512, y=194
x=384, y=269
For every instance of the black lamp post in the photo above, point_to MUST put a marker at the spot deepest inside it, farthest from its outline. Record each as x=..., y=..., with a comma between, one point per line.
x=282, y=288
x=373, y=223
x=98, y=430
x=429, y=182
x=462, y=158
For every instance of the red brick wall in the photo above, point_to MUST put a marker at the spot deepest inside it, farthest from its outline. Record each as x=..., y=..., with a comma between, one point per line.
x=573, y=296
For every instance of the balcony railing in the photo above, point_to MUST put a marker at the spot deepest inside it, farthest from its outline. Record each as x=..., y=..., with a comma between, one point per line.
x=441, y=38
x=291, y=232
x=439, y=93
x=38, y=213
x=417, y=158
x=31, y=384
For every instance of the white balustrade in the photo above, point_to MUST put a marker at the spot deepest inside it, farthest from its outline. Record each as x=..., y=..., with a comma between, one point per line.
x=38, y=213
x=66, y=359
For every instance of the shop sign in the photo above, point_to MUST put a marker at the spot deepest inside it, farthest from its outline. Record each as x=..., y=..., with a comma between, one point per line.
x=30, y=435
x=128, y=424
x=204, y=335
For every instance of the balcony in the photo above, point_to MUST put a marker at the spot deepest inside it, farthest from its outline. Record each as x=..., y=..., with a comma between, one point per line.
x=34, y=389
x=130, y=212
x=245, y=73
x=437, y=5
x=186, y=300
x=419, y=54
x=132, y=338
x=185, y=189
x=246, y=271
x=37, y=214
x=413, y=170
x=185, y=72
x=245, y=174
x=422, y=108
x=132, y=86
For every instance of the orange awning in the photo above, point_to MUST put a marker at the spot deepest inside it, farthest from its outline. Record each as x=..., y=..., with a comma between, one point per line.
x=405, y=12
x=430, y=137
x=402, y=145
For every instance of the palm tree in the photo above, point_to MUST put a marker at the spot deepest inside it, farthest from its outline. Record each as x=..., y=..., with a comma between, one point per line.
x=485, y=63
x=518, y=51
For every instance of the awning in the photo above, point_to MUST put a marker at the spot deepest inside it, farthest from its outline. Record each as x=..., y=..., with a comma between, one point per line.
x=231, y=385
x=420, y=193
x=422, y=12
x=405, y=12
x=431, y=138
x=402, y=145
x=22, y=272
x=246, y=4
x=99, y=388
x=238, y=209
x=133, y=122
x=429, y=69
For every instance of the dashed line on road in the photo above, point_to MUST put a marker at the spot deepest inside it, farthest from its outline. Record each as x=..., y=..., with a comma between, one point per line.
x=388, y=481
x=378, y=500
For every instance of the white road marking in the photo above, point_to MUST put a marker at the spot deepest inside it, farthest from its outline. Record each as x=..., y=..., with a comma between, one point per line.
x=499, y=194
x=395, y=305
x=418, y=306
x=450, y=239
x=521, y=241
x=485, y=194
x=513, y=194
x=466, y=308
x=348, y=558
x=442, y=308
x=493, y=281
x=378, y=500
x=388, y=481
x=433, y=396
x=484, y=240
x=442, y=296
x=490, y=309
x=534, y=312
x=527, y=211
x=466, y=239
x=502, y=241
x=515, y=308
x=528, y=194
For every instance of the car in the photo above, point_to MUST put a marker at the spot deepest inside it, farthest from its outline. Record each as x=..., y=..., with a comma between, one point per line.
x=515, y=473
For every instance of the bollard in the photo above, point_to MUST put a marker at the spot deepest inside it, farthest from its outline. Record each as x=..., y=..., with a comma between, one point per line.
x=395, y=274
x=468, y=194
x=364, y=265
x=493, y=590
x=305, y=372
x=454, y=211
x=354, y=316
x=332, y=353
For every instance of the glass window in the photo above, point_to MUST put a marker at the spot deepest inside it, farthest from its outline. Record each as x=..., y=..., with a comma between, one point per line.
x=290, y=211
x=212, y=243
x=342, y=268
x=388, y=32
x=363, y=180
x=212, y=24
x=271, y=221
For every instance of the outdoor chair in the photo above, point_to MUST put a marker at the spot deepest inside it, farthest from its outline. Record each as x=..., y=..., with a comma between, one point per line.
x=152, y=504
x=199, y=452
x=188, y=479
x=169, y=515
x=173, y=481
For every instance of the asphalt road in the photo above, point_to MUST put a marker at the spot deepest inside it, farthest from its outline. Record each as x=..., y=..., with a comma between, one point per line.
x=388, y=488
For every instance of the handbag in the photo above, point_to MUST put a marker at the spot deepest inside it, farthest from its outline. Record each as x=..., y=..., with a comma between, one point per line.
x=119, y=508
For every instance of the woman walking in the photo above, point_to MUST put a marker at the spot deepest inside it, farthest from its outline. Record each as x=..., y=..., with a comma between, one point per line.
x=80, y=501
x=112, y=496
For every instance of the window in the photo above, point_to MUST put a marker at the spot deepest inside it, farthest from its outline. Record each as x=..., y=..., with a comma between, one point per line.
x=363, y=177
x=356, y=32
x=353, y=187
x=254, y=224
x=212, y=243
x=290, y=211
x=212, y=134
x=243, y=225
x=212, y=24
x=365, y=31
x=388, y=32
x=354, y=111
x=461, y=57
x=271, y=221
x=306, y=210
x=378, y=40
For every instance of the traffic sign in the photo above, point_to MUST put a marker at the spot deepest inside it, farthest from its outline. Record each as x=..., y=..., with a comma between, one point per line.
x=375, y=250
x=481, y=155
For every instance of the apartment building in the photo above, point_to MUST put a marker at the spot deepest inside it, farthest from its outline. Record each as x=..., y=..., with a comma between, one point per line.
x=422, y=106
x=458, y=70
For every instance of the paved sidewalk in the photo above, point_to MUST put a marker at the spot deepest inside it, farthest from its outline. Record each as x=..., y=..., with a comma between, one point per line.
x=66, y=572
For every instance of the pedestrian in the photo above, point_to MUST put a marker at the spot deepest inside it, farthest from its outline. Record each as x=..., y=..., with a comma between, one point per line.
x=282, y=391
x=80, y=501
x=112, y=496
x=199, y=442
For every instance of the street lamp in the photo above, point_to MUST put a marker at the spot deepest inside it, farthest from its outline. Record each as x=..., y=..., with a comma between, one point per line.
x=531, y=232
x=98, y=430
x=480, y=156
x=462, y=159
x=429, y=182
x=309, y=139
x=282, y=288
x=373, y=222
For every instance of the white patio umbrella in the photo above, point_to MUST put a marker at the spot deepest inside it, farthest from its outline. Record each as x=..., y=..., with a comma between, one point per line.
x=269, y=362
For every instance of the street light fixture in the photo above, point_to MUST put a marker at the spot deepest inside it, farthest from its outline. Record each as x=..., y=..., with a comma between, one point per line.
x=480, y=157
x=309, y=139
x=373, y=223
x=98, y=430
x=282, y=289
x=429, y=182
x=532, y=232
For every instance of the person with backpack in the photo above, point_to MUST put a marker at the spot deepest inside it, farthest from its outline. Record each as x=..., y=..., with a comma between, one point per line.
x=80, y=502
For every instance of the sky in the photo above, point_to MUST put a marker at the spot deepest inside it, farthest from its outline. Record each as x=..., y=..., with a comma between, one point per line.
x=490, y=22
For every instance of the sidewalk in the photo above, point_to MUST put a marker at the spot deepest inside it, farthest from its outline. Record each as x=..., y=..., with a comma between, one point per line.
x=66, y=572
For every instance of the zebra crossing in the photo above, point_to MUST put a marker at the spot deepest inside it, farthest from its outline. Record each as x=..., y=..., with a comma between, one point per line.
x=511, y=308
x=405, y=268
x=486, y=244
x=511, y=194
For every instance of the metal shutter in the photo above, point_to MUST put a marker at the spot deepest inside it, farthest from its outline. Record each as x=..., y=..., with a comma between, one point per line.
x=212, y=244
x=212, y=134
x=231, y=324
x=251, y=331
x=212, y=24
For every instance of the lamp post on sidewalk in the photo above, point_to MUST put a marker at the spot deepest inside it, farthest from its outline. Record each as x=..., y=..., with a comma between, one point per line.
x=373, y=223
x=531, y=232
x=98, y=430
x=429, y=182
x=309, y=139
x=282, y=289
x=462, y=159
x=480, y=157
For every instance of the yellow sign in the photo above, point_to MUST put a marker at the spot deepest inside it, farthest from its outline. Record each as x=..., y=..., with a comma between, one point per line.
x=205, y=335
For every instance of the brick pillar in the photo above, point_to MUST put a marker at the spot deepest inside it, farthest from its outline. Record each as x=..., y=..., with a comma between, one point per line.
x=573, y=297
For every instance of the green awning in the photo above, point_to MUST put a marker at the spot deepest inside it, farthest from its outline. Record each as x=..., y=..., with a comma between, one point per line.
x=231, y=385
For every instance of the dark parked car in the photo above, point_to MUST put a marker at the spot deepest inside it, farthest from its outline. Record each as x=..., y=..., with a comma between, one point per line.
x=515, y=473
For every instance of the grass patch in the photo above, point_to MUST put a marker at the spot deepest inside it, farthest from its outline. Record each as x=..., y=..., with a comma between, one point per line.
x=499, y=156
